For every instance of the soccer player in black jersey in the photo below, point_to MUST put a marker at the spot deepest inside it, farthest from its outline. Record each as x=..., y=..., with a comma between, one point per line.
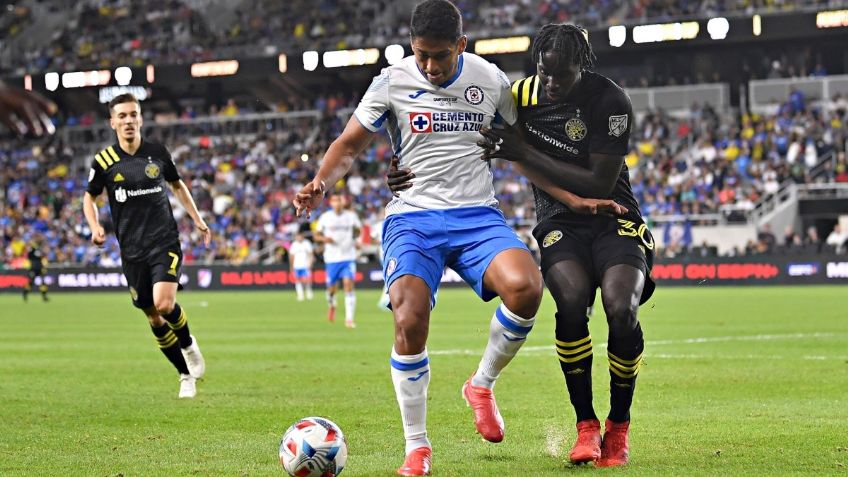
x=572, y=133
x=37, y=269
x=134, y=172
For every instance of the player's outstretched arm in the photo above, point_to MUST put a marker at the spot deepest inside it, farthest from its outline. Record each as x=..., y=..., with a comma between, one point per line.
x=89, y=208
x=597, y=181
x=578, y=204
x=337, y=162
x=184, y=196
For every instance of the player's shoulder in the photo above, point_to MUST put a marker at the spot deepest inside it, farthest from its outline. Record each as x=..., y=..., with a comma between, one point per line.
x=479, y=66
x=107, y=157
x=605, y=89
x=154, y=149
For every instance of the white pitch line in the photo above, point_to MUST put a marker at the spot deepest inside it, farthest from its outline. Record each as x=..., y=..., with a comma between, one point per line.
x=713, y=339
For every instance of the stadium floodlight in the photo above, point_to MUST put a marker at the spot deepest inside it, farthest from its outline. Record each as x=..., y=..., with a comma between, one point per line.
x=51, y=81
x=757, y=26
x=617, y=35
x=283, y=63
x=832, y=19
x=497, y=46
x=123, y=75
x=394, y=53
x=339, y=58
x=310, y=60
x=718, y=28
x=82, y=79
x=665, y=32
x=214, y=68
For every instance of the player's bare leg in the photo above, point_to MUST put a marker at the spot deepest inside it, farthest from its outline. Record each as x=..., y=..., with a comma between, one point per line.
x=514, y=276
x=621, y=290
x=331, y=303
x=571, y=288
x=350, y=302
x=410, y=298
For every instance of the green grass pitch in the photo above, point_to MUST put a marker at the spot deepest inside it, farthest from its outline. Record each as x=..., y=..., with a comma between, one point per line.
x=737, y=381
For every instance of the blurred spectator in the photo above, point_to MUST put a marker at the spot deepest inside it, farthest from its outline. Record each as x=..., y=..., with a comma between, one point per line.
x=837, y=238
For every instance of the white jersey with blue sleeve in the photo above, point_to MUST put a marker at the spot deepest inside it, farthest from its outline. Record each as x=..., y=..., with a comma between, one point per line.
x=339, y=227
x=434, y=130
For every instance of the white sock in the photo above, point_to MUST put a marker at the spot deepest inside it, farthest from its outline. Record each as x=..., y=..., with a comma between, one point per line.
x=298, y=287
x=411, y=376
x=309, y=288
x=507, y=332
x=350, y=306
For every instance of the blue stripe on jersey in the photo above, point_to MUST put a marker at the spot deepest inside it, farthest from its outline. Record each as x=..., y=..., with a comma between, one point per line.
x=409, y=367
x=455, y=75
x=379, y=122
x=498, y=118
x=510, y=325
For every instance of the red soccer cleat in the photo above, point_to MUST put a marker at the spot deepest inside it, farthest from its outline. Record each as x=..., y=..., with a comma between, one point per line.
x=615, y=450
x=588, y=445
x=417, y=462
x=487, y=418
x=331, y=314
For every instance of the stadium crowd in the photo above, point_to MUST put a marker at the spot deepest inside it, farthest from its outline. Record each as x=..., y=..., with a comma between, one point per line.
x=701, y=163
x=109, y=33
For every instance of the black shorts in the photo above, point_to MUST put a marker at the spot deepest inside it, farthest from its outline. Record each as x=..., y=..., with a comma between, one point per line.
x=163, y=264
x=597, y=242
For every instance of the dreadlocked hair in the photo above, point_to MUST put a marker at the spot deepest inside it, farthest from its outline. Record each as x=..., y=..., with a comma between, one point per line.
x=569, y=42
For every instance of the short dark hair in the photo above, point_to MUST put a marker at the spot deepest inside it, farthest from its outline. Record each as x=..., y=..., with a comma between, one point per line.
x=570, y=43
x=122, y=98
x=436, y=20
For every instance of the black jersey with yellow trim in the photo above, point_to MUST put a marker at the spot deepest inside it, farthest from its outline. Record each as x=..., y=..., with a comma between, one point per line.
x=595, y=118
x=136, y=185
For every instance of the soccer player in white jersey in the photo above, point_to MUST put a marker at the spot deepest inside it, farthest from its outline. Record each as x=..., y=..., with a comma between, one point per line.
x=337, y=229
x=300, y=261
x=433, y=104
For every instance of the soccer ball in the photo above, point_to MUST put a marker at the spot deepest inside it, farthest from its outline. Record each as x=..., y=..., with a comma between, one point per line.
x=313, y=447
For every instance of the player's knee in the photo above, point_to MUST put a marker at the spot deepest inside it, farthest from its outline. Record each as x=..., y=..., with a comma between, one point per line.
x=522, y=294
x=154, y=318
x=621, y=315
x=410, y=326
x=571, y=305
x=164, y=305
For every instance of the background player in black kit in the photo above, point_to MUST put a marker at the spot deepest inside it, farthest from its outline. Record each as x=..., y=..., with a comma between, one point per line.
x=37, y=269
x=572, y=132
x=134, y=173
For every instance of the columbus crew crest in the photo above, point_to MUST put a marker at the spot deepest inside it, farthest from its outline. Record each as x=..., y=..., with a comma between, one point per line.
x=575, y=129
x=151, y=171
x=552, y=238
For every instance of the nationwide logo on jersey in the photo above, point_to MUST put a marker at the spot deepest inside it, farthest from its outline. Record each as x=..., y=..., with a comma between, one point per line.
x=617, y=125
x=553, y=237
x=445, y=121
x=120, y=195
x=575, y=129
x=118, y=178
x=151, y=171
x=474, y=95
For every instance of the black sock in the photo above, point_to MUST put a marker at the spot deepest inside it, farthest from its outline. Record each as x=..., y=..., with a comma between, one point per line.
x=170, y=346
x=43, y=290
x=625, y=358
x=179, y=324
x=574, y=349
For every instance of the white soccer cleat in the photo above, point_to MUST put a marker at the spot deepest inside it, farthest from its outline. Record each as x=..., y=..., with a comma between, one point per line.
x=188, y=388
x=194, y=360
